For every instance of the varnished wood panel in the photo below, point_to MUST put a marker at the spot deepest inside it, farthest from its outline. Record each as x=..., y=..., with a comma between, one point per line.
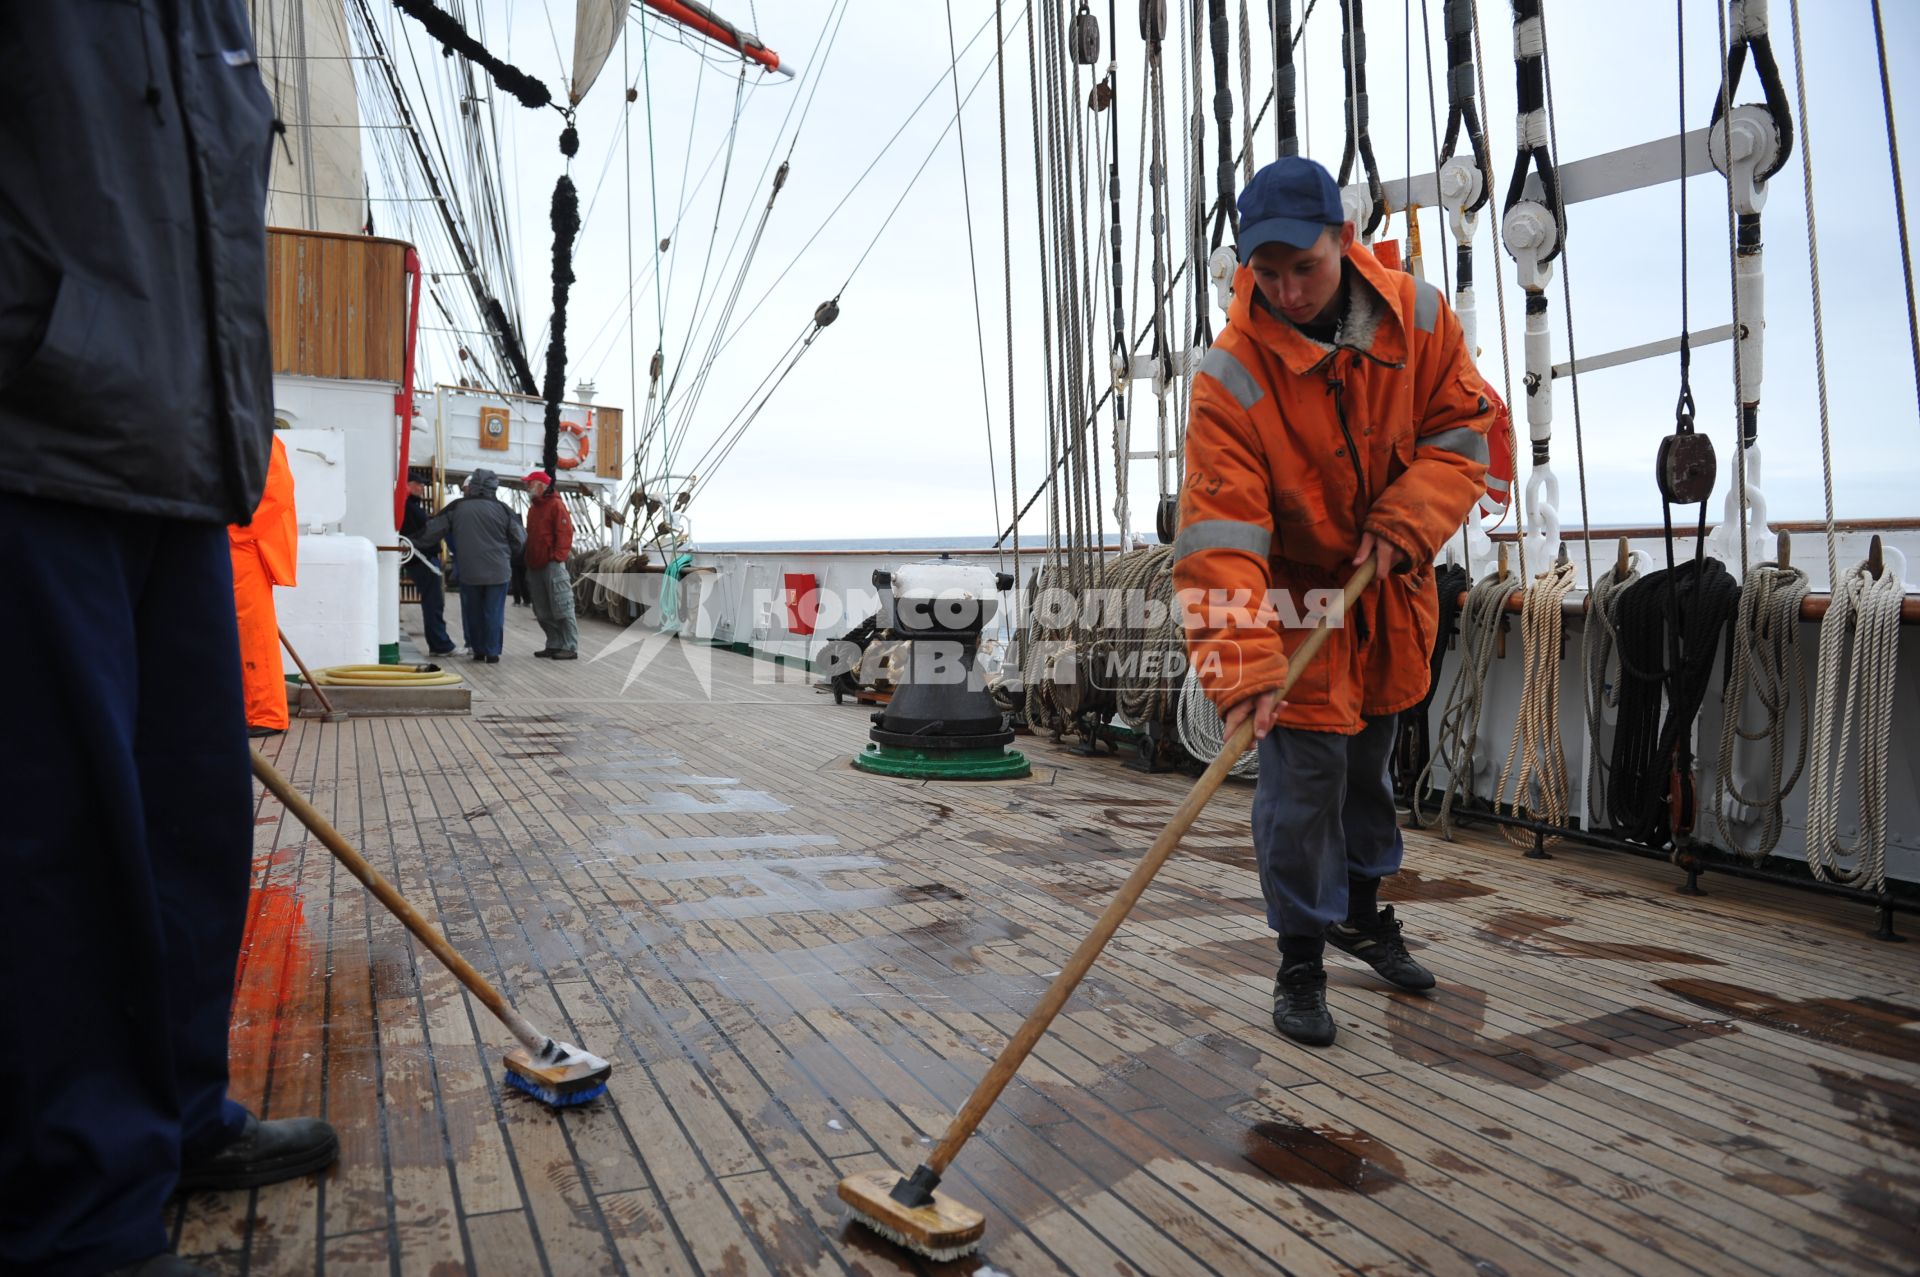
x=337, y=305
x=608, y=445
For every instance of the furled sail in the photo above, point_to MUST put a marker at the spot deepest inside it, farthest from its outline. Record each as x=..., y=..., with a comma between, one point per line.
x=596, y=27
x=317, y=182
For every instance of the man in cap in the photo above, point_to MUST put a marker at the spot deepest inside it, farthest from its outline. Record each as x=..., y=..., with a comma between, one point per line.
x=1338, y=418
x=549, y=543
x=423, y=568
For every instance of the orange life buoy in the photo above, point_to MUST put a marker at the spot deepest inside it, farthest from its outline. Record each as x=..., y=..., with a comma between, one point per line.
x=584, y=441
x=1500, y=467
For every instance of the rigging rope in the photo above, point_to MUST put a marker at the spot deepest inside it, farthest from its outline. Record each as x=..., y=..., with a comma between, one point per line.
x=1861, y=631
x=1669, y=626
x=1765, y=646
x=1286, y=130
x=1459, y=734
x=1899, y=196
x=1353, y=55
x=1597, y=644
x=1535, y=742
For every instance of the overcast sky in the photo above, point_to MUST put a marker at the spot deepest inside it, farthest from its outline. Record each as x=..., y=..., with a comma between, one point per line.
x=881, y=429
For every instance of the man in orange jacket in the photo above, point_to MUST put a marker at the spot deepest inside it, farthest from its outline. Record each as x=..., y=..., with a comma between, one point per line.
x=1338, y=417
x=265, y=553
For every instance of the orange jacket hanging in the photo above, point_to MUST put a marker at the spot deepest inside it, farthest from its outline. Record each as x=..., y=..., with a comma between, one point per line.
x=265, y=554
x=1294, y=450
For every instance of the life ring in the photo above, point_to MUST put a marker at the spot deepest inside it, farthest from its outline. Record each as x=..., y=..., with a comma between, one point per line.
x=1500, y=468
x=584, y=441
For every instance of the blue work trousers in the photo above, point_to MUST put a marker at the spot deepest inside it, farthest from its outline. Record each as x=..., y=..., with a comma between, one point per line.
x=125, y=855
x=483, y=617
x=433, y=605
x=1323, y=811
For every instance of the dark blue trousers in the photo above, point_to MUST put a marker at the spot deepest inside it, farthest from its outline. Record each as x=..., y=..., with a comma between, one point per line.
x=1323, y=810
x=433, y=606
x=125, y=844
x=483, y=617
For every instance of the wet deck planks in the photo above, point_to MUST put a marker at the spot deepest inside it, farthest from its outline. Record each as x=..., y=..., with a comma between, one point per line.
x=800, y=970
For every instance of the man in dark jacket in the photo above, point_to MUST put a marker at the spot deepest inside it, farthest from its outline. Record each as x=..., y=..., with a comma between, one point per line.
x=423, y=569
x=549, y=544
x=485, y=535
x=135, y=419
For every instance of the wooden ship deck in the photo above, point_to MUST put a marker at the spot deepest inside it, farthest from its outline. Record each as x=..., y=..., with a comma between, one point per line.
x=799, y=971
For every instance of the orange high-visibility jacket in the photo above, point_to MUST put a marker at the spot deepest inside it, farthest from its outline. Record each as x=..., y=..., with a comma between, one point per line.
x=265, y=554
x=1294, y=450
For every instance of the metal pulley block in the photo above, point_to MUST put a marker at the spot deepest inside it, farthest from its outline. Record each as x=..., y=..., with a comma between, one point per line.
x=1166, y=520
x=1102, y=96
x=1153, y=21
x=1756, y=150
x=1686, y=468
x=1083, y=38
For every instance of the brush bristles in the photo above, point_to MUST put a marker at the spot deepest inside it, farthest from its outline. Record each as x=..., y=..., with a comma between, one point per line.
x=555, y=1099
x=938, y=1254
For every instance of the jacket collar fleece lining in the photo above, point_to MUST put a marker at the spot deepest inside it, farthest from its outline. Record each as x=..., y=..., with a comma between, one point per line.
x=1373, y=324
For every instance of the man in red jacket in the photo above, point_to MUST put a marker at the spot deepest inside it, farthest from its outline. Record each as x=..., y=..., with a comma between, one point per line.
x=1338, y=418
x=549, y=542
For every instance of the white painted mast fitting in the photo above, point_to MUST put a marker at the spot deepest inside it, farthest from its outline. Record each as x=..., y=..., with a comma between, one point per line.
x=1221, y=265
x=1460, y=185
x=1755, y=145
x=1530, y=235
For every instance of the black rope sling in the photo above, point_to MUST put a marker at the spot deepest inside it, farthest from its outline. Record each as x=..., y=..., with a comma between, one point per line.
x=1679, y=612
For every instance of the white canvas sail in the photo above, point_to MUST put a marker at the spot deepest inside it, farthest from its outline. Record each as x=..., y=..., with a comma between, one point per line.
x=596, y=26
x=317, y=182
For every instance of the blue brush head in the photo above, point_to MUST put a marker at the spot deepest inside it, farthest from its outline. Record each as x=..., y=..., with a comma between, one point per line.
x=555, y=1099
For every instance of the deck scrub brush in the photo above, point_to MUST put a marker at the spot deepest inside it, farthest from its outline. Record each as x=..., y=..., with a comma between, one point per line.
x=907, y=1209
x=556, y=1073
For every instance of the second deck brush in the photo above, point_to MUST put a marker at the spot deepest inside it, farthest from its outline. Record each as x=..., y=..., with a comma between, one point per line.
x=554, y=1072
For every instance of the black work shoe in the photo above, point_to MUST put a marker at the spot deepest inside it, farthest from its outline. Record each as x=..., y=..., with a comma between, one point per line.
x=545, y=651
x=265, y=1153
x=493, y=659
x=162, y=1265
x=1300, y=1004
x=1380, y=947
x=564, y=654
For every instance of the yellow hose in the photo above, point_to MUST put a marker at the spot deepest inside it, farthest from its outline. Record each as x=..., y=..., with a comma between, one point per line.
x=384, y=676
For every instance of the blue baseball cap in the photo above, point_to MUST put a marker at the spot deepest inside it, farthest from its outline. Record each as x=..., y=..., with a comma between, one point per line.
x=1291, y=201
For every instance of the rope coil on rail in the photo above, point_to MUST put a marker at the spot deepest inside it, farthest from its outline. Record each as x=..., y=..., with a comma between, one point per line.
x=1459, y=733
x=1765, y=645
x=1861, y=632
x=1535, y=743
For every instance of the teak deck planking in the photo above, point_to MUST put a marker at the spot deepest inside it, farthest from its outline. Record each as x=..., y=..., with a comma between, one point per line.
x=800, y=970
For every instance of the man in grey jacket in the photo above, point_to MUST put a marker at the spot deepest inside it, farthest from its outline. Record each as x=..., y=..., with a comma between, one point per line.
x=485, y=536
x=135, y=420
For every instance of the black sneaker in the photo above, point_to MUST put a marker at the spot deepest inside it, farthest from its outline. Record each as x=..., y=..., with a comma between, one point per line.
x=1300, y=1004
x=264, y=1153
x=545, y=651
x=493, y=659
x=564, y=654
x=1380, y=947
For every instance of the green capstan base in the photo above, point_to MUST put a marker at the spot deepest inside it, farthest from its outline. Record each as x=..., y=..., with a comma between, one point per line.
x=950, y=764
x=389, y=653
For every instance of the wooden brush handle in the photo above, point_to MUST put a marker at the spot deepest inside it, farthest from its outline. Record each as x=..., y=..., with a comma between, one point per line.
x=396, y=904
x=1022, y=1043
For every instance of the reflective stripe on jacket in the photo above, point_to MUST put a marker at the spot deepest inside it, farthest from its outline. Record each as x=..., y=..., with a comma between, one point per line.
x=1294, y=450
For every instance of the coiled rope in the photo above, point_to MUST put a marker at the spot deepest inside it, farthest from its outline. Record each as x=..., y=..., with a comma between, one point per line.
x=1203, y=735
x=1765, y=646
x=1142, y=582
x=1535, y=743
x=1603, y=692
x=1459, y=732
x=1650, y=752
x=1862, y=632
